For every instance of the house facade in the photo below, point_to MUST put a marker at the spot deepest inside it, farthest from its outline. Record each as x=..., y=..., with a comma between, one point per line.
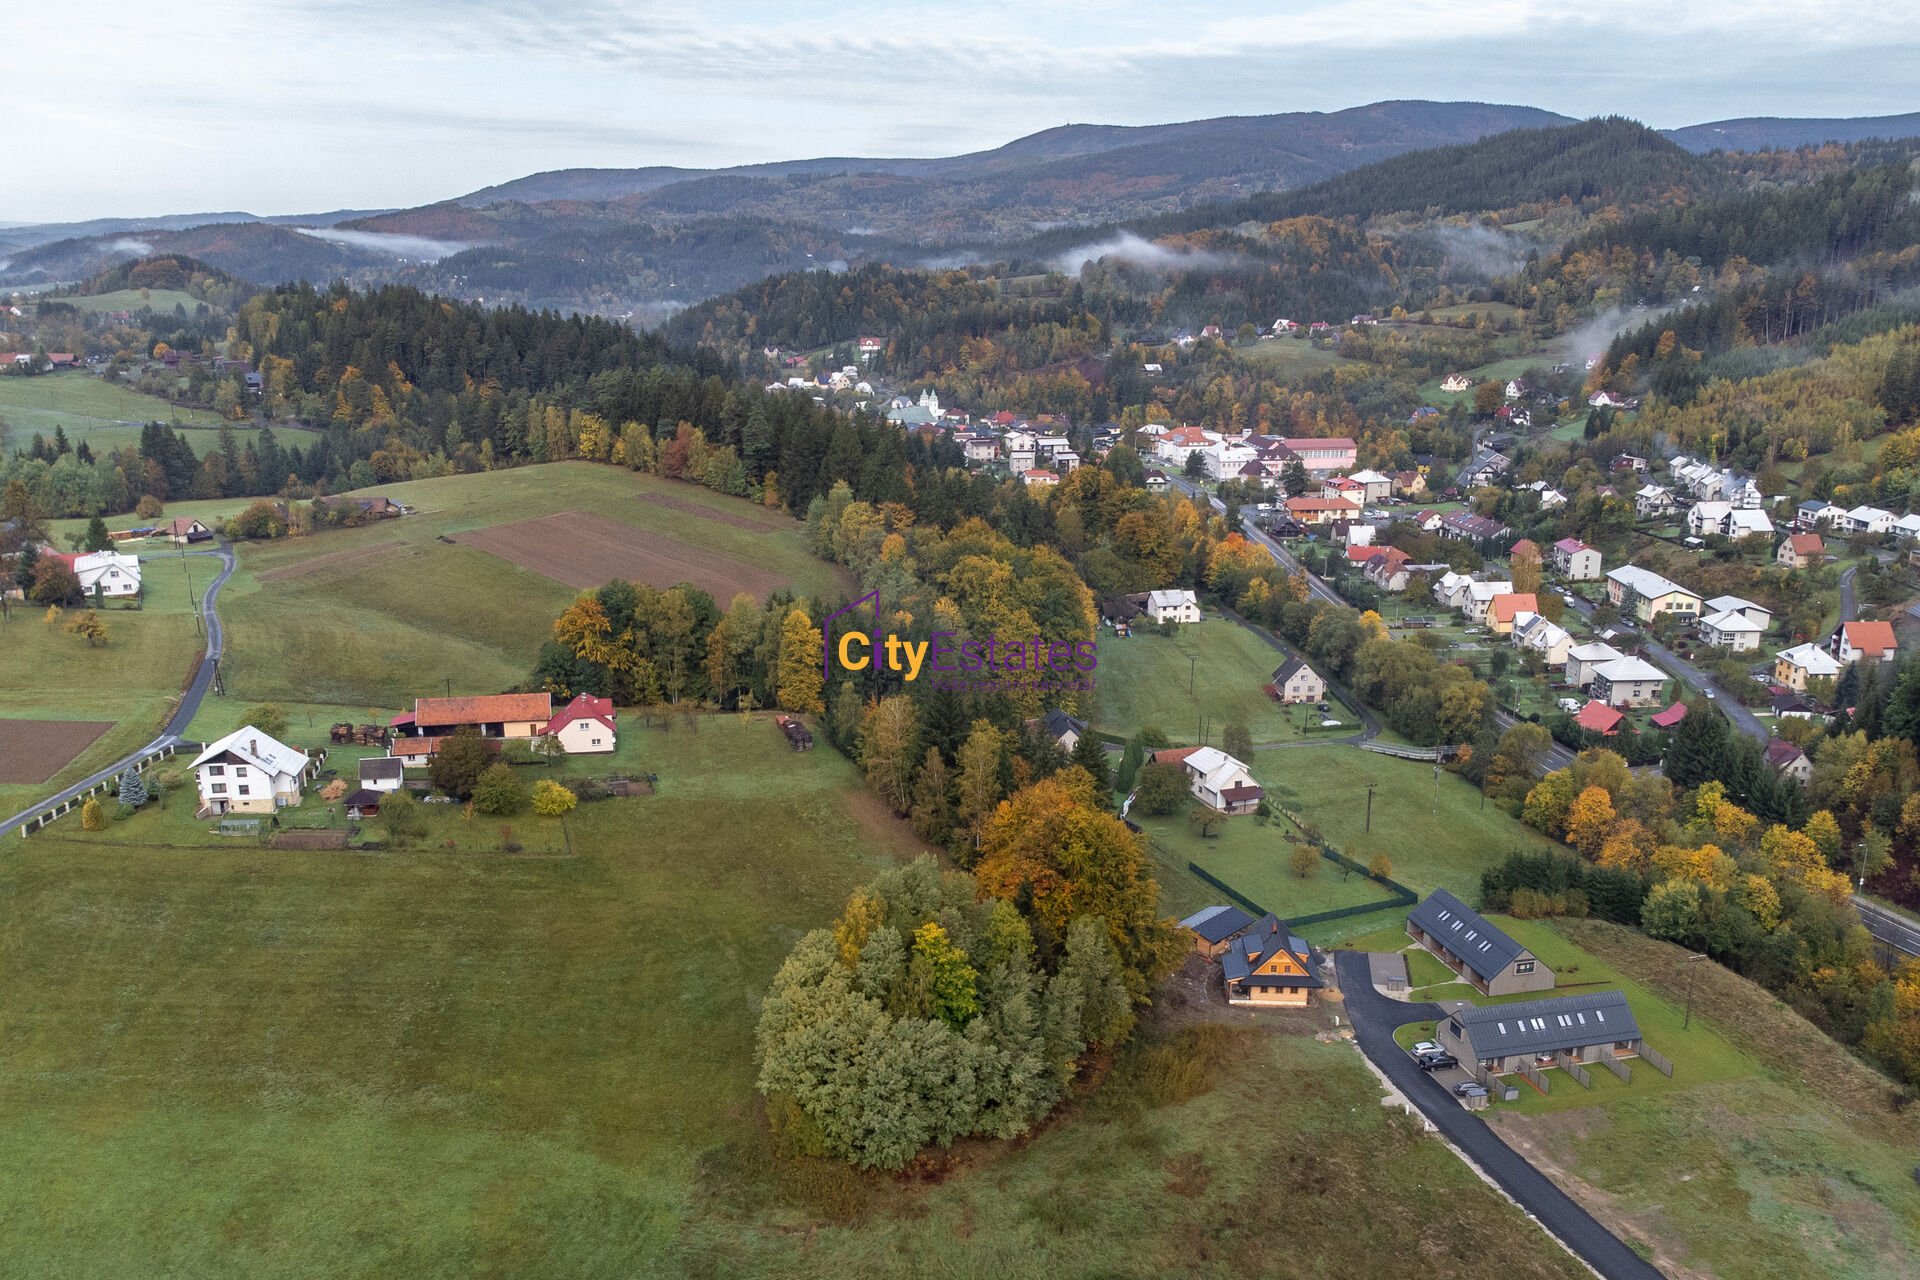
x=106, y=573
x=1215, y=778
x=1651, y=595
x=1853, y=642
x=1800, y=551
x=585, y=726
x=1266, y=964
x=1503, y=1038
x=250, y=772
x=1585, y=659
x=1173, y=606
x=498, y=715
x=1628, y=682
x=1535, y=634
x=1294, y=681
x=1481, y=953
x=1575, y=561
x=1804, y=662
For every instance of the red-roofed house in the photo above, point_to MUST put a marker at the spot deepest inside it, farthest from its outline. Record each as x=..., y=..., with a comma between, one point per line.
x=1672, y=716
x=1864, y=641
x=585, y=726
x=1316, y=454
x=1598, y=717
x=1501, y=610
x=1575, y=561
x=1801, y=550
x=1788, y=760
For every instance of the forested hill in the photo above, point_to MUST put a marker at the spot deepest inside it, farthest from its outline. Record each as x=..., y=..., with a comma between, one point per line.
x=1596, y=162
x=411, y=385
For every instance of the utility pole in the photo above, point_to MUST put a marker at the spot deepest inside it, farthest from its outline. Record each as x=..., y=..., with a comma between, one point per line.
x=1687, y=1021
x=1193, y=661
x=1435, y=809
x=1370, y=787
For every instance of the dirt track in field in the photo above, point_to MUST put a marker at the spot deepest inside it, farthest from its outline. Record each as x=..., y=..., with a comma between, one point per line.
x=35, y=750
x=688, y=506
x=585, y=550
x=319, y=564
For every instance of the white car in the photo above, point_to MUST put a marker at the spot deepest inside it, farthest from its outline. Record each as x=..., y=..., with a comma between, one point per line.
x=1425, y=1047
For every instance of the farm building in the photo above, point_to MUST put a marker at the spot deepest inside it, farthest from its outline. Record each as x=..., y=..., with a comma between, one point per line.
x=382, y=773
x=249, y=772
x=497, y=715
x=585, y=726
x=1543, y=1033
x=183, y=530
x=1479, y=952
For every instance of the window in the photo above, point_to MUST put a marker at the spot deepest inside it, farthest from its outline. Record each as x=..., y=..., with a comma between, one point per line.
x=239, y=771
x=596, y=742
x=1524, y=966
x=215, y=770
x=246, y=791
x=219, y=788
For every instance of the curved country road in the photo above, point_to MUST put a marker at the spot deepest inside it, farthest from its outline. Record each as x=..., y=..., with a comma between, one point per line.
x=183, y=715
x=1374, y=1019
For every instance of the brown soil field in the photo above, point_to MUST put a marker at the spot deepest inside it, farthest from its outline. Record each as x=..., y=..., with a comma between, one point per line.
x=35, y=750
x=584, y=550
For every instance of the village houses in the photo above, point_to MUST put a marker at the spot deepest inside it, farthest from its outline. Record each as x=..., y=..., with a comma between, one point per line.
x=250, y=772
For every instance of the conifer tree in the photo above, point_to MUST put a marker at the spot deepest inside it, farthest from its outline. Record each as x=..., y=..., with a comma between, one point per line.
x=133, y=788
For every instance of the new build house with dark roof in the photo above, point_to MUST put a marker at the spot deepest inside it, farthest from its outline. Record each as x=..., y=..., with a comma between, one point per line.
x=1266, y=964
x=1542, y=1033
x=1482, y=954
x=1214, y=927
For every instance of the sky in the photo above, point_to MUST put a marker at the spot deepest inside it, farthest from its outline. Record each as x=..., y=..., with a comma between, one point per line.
x=120, y=108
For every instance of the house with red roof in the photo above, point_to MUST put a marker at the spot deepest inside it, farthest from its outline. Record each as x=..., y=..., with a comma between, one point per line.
x=1801, y=550
x=1669, y=718
x=1864, y=641
x=585, y=726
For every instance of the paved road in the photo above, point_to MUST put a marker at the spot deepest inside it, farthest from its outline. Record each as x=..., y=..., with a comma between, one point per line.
x=1374, y=1019
x=189, y=703
x=1896, y=930
x=1847, y=611
x=1288, y=561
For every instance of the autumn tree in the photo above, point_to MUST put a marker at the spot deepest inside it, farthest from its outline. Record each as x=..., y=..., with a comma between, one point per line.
x=1304, y=861
x=498, y=791
x=90, y=626
x=800, y=677
x=1162, y=789
x=551, y=800
x=458, y=763
x=932, y=810
x=888, y=732
x=1589, y=818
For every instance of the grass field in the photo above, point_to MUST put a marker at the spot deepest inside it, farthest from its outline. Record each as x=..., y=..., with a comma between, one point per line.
x=1143, y=680
x=1252, y=857
x=161, y=301
x=1436, y=835
x=106, y=415
x=315, y=620
x=1289, y=358
x=236, y=1062
x=132, y=681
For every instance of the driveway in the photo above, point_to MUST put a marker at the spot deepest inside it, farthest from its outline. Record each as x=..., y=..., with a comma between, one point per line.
x=1374, y=1019
x=183, y=715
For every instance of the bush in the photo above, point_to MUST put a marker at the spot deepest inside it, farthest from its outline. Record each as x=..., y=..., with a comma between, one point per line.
x=93, y=816
x=1186, y=1065
x=551, y=800
x=267, y=717
x=148, y=507
x=1162, y=789
x=499, y=792
x=1304, y=861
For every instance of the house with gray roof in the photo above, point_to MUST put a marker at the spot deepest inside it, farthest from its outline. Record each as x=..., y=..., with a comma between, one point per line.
x=1213, y=928
x=1542, y=1033
x=1481, y=953
x=1266, y=964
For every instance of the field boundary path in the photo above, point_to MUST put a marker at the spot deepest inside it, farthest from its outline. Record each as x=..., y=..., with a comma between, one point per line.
x=171, y=736
x=1375, y=1018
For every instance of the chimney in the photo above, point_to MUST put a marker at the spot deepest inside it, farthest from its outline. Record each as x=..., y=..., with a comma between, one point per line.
x=253, y=746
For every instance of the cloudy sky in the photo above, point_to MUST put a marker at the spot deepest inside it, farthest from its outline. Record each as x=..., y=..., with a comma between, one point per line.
x=126, y=107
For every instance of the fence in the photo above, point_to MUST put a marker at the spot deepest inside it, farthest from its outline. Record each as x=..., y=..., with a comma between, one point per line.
x=112, y=780
x=1616, y=1066
x=1657, y=1060
x=1532, y=1076
x=1405, y=753
x=1401, y=895
x=1578, y=1072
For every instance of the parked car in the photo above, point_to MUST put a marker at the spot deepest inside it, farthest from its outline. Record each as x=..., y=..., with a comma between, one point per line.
x=1424, y=1048
x=1470, y=1089
x=1437, y=1061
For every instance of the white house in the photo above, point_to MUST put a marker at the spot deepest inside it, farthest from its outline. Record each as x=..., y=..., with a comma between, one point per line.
x=382, y=773
x=1652, y=500
x=1450, y=590
x=1585, y=659
x=1535, y=634
x=249, y=772
x=1225, y=458
x=1732, y=630
x=1456, y=382
x=1867, y=520
x=1215, y=778
x=1907, y=527
x=1651, y=594
x=585, y=726
x=1575, y=561
x=1480, y=598
x=1377, y=486
x=1746, y=608
x=1706, y=519
x=1748, y=522
x=1294, y=681
x=1628, y=682
x=1173, y=606
x=111, y=572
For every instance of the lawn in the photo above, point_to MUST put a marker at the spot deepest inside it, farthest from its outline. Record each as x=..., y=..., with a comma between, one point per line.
x=160, y=301
x=1798, y=1166
x=388, y=612
x=133, y=681
x=1290, y=358
x=107, y=415
x=236, y=1062
x=1434, y=831
x=1144, y=680
x=1252, y=856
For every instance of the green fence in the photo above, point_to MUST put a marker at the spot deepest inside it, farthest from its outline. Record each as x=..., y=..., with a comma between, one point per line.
x=1401, y=896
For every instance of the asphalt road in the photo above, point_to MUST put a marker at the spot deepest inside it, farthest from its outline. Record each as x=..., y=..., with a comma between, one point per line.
x=1374, y=1019
x=1890, y=927
x=1847, y=610
x=183, y=715
x=1288, y=561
